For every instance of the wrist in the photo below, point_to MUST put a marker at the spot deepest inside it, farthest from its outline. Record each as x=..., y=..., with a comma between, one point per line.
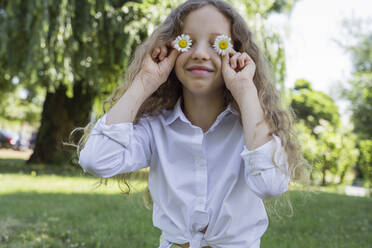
x=246, y=96
x=142, y=89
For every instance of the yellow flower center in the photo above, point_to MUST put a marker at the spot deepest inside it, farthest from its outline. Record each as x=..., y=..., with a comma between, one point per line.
x=182, y=43
x=223, y=44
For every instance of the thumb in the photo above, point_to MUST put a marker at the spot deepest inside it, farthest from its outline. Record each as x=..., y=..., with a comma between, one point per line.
x=226, y=64
x=172, y=56
x=170, y=60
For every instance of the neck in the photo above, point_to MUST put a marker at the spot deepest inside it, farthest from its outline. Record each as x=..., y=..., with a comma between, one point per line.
x=202, y=111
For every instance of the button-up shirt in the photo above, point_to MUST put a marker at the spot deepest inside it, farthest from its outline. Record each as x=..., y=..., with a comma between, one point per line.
x=196, y=178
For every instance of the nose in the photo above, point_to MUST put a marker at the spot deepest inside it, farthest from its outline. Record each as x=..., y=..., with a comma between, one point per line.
x=200, y=52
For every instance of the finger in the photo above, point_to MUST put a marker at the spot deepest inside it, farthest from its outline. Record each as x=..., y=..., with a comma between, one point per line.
x=246, y=61
x=171, y=44
x=249, y=58
x=226, y=68
x=155, y=53
x=148, y=58
x=242, y=60
x=225, y=61
x=163, y=52
x=251, y=61
x=232, y=52
x=171, y=59
x=233, y=60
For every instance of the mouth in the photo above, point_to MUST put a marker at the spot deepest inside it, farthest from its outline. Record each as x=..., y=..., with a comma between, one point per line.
x=199, y=70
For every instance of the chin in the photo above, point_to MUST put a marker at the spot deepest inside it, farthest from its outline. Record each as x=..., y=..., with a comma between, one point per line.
x=200, y=88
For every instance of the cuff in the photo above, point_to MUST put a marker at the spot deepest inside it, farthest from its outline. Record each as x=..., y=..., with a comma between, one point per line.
x=119, y=132
x=262, y=157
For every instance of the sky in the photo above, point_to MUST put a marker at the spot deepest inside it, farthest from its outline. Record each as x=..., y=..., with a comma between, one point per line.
x=311, y=52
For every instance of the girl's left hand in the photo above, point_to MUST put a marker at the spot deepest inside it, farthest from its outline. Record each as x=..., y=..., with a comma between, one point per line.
x=238, y=70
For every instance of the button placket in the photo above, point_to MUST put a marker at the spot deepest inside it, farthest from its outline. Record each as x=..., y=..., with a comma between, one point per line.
x=201, y=162
x=201, y=180
x=201, y=200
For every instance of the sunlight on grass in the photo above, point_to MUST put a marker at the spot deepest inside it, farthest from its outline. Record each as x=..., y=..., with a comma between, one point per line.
x=14, y=183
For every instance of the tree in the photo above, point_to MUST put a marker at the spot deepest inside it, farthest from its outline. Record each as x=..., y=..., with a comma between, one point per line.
x=332, y=152
x=313, y=106
x=365, y=161
x=327, y=145
x=76, y=52
x=257, y=12
x=358, y=90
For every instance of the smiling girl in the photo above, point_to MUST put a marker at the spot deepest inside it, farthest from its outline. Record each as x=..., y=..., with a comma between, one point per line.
x=206, y=119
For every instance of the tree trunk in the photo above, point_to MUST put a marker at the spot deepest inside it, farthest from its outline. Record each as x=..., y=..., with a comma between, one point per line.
x=358, y=170
x=343, y=174
x=324, y=171
x=60, y=116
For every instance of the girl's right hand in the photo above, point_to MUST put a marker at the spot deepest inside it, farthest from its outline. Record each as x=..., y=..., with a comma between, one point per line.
x=157, y=66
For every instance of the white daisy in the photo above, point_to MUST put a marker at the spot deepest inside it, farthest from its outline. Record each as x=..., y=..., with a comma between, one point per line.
x=182, y=43
x=222, y=44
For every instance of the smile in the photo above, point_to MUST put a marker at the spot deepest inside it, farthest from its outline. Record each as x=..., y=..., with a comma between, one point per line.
x=197, y=72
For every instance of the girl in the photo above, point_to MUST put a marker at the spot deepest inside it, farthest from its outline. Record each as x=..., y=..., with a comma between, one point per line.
x=208, y=123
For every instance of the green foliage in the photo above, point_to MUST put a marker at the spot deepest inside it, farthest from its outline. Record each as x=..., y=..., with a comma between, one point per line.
x=16, y=109
x=48, y=43
x=256, y=12
x=333, y=151
x=85, y=47
x=313, y=106
x=365, y=161
x=360, y=95
x=328, y=146
x=302, y=84
x=359, y=89
x=45, y=43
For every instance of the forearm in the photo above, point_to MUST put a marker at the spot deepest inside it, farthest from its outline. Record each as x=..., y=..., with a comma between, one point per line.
x=125, y=110
x=252, y=114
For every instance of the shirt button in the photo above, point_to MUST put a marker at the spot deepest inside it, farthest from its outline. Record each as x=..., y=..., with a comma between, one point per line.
x=201, y=200
x=201, y=162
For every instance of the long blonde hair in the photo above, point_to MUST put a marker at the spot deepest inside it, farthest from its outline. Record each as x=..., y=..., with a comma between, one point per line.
x=279, y=118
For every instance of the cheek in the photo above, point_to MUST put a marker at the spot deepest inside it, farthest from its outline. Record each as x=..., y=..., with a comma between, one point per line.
x=218, y=64
x=179, y=64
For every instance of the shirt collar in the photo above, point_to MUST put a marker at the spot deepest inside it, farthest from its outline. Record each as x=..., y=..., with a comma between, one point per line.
x=177, y=112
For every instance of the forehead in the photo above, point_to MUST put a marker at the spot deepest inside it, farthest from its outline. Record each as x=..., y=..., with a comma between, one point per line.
x=207, y=20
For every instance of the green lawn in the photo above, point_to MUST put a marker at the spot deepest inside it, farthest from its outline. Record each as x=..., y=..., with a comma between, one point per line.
x=41, y=209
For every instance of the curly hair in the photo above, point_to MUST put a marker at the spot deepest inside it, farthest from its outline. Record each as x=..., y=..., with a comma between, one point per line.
x=279, y=118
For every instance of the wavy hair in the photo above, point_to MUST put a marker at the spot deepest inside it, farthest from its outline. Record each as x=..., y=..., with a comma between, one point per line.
x=280, y=119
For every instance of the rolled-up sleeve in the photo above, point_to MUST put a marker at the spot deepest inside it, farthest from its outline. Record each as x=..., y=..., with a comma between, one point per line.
x=116, y=148
x=262, y=176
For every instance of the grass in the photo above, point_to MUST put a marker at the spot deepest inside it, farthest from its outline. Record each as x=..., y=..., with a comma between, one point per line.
x=39, y=208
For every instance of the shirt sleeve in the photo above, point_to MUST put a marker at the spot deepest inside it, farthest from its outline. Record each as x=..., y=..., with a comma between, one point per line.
x=262, y=176
x=116, y=148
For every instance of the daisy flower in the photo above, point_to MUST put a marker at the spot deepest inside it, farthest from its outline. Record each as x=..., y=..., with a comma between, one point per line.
x=182, y=43
x=222, y=44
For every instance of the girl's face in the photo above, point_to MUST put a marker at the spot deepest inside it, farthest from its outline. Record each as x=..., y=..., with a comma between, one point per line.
x=203, y=26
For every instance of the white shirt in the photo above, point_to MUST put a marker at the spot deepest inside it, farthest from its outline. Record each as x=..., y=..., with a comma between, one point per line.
x=195, y=179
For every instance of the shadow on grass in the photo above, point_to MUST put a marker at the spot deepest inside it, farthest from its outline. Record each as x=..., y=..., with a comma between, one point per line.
x=13, y=165
x=75, y=220
x=323, y=220
x=98, y=220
